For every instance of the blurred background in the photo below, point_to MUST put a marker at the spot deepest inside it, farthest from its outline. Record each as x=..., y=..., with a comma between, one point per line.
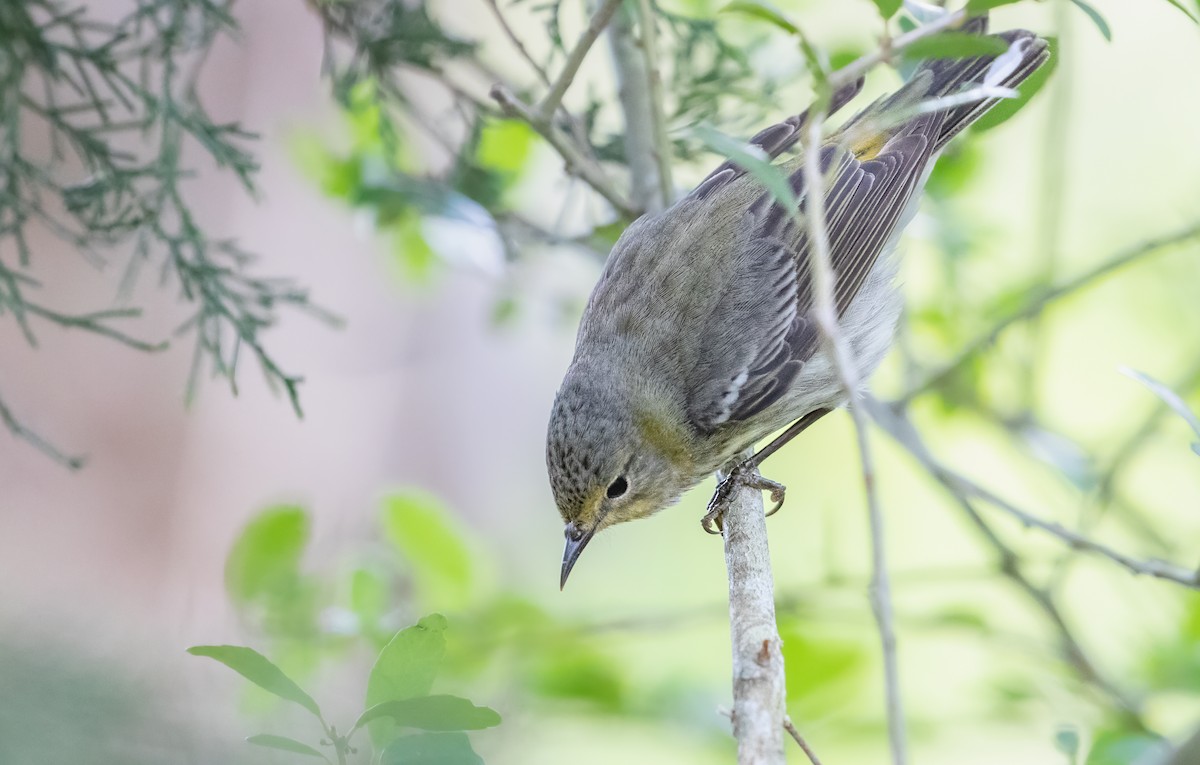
x=456, y=256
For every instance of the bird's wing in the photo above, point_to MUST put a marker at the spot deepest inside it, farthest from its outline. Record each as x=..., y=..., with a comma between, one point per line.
x=763, y=331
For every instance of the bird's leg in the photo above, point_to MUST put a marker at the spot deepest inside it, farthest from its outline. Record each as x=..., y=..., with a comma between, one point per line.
x=746, y=474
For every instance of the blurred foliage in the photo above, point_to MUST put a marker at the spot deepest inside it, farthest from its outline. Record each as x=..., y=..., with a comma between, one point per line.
x=97, y=117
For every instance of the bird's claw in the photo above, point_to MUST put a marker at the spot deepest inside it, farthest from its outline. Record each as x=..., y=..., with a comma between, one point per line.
x=743, y=474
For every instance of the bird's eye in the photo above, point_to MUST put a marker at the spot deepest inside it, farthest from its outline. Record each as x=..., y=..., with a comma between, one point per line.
x=617, y=487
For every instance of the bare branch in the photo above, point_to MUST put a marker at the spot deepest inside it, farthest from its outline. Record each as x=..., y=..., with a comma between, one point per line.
x=20, y=431
x=577, y=163
x=642, y=156
x=658, y=118
x=575, y=59
x=516, y=41
x=790, y=727
x=826, y=314
x=860, y=66
x=1038, y=304
x=906, y=435
x=759, y=692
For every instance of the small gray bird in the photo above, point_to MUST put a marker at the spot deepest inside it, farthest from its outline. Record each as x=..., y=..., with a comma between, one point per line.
x=699, y=340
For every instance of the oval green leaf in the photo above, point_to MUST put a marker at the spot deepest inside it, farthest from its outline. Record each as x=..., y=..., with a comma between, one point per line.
x=763, y=11
x=442, y=713
x=406, y=668
x=1096, y=18
x=431, y=749
x=888, y=8
x=266, y=556
x=284, y=744
x=423, y=531
x=256, y=668
x=955, y=45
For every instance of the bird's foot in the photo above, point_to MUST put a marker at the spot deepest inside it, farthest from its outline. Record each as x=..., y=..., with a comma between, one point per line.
x=744, y=474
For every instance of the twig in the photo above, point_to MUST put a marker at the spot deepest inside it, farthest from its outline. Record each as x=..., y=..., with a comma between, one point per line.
x=825, y=311
x=658, y=118
x=575, y=58
x=790, y=727
x=18, y=430
x=894, y=424
x=860, y=66
x=576, y=162
x=1038, y=304
x=759, y=691
x=516, y=41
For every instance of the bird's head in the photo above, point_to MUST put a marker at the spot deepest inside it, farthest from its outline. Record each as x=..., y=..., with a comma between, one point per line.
x=609, y=461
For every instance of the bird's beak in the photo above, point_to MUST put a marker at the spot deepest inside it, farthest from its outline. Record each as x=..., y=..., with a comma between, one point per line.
x=575, y=545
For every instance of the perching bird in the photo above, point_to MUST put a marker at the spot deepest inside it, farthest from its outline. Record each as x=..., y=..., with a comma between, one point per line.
x=699, y=338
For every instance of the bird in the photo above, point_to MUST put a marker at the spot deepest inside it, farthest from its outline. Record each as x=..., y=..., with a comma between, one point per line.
x=699, y=339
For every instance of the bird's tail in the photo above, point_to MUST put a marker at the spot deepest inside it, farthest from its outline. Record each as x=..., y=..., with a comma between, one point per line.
x=945, y=80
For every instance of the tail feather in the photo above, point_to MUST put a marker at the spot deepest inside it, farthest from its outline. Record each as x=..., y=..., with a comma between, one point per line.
x=939, y=78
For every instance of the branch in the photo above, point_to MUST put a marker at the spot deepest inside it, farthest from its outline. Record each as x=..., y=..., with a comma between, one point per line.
x=577, y=163
x=889, y=48
x=842, y=356
x=516, y=41
x=658, y=118
x=603, y=15
x=1038, y=304
x=790, y=727
x=906, y=435
x=759, y=693
x=644, y=159
x=20, y=431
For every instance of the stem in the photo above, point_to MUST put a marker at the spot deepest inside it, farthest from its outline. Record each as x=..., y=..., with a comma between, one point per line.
x=575, y=58
x=825, y=311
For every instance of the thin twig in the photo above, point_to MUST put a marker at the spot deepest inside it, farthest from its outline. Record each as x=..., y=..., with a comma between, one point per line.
x=516, y=41
x=1038, y=304
x=759, y=690
x=575, y=59
x=860, y=66
x=790, y=727
x=658, y=117
x=577, y=163
x=893, y=423
x=825, y=311
x=20, y=431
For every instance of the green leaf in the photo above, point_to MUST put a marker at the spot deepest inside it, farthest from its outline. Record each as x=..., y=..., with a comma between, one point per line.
x=421, y=529
x=1119, y=747
x=1007, y=107
x=580, y=674
x=1096, y=18
x=406, y=668
x=764, y=11
x=432, y=713
x=505, y=145
x=1167, y=396
x=955, y=45
x=284, y=744
x=888, y=8
x=1185, y=11
x=976, y=7
x=431, y=749
x=753, y=162
x=266, y=556
x=256, y=668
x=412, y=251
